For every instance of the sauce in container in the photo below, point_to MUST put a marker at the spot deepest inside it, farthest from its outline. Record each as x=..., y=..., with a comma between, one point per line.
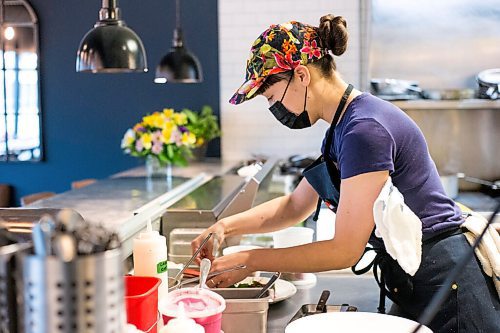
x=202, y=305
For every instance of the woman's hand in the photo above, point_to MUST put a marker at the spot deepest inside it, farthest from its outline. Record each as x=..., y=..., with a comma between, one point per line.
x=217, y=238
x=228, y=261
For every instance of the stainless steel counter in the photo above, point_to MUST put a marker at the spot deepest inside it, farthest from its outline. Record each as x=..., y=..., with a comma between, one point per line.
x=360, y=291
x=127, y=200
x=461, y=104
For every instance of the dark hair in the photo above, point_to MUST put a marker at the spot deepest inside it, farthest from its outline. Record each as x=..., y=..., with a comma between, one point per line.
x=333, y=34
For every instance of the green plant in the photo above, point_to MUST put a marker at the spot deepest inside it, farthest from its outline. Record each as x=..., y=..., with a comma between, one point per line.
x=203, y=125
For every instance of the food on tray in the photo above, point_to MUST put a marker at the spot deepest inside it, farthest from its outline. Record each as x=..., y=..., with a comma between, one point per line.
x=252, y=284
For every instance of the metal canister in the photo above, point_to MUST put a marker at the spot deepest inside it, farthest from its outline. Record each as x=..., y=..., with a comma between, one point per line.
x=83, y=295
x=9, y=313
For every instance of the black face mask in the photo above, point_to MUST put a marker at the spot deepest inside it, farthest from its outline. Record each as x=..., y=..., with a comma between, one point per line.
x=286, y=117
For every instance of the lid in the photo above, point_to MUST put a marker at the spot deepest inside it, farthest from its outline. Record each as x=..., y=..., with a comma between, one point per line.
x=197, y=303
x=491, y=76
x=182, y=323
x=149, y=233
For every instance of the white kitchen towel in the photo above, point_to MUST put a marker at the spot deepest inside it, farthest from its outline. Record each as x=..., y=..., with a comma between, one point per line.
x=488, y=251
x=399, y=228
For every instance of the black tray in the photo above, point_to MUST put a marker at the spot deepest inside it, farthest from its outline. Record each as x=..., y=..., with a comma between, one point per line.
x=310, y=309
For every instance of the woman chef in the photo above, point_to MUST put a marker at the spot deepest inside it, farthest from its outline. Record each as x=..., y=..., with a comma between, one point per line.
x=369, y=142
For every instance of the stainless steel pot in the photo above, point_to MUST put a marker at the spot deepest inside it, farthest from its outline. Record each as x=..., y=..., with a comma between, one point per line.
x=450, y=184
x=393, y=89
x=489, y=83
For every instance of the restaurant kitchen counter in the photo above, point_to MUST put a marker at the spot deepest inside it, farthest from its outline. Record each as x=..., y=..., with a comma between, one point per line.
x=345, y=288
x=127, y=200
x=460, y=104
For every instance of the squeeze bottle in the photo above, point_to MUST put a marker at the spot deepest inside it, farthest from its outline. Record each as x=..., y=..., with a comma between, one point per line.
x=150, y=257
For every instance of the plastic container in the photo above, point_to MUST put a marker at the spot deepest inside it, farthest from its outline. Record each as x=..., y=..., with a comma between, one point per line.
x=239, y=248
x=202, y=305
x=182, y=324
x=141, y=302
x=292, y=236
x=150, y=257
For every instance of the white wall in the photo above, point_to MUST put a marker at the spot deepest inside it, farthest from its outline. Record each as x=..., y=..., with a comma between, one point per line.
x=250, y=128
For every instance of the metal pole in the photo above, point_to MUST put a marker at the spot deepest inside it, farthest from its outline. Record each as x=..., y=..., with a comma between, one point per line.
x=4, y=90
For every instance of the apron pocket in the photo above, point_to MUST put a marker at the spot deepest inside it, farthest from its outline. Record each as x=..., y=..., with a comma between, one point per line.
x=447, y=319
x=398, y=282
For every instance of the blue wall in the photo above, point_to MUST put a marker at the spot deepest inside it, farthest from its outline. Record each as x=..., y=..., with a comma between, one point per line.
x=85, y=115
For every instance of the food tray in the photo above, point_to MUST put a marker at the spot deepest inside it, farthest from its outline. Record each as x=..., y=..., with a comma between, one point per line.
x=243, y=313
x=310, y=309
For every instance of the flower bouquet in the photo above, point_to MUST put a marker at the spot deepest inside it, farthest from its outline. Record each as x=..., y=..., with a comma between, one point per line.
x=162, y=136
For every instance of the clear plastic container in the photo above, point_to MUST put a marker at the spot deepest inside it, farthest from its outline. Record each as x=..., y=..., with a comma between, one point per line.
x=292, y=236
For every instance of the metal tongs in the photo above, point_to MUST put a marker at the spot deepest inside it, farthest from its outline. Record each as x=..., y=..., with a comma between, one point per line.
x=179, y=275
x=211, y=275
x=268, y=285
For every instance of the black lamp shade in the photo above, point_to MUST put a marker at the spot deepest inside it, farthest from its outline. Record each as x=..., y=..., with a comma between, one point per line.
x=179, y=66
x=111, y=48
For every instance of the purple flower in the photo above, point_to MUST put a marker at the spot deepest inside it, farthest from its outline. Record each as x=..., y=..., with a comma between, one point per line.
x=183, y=129
x=138, y=146
x=140, y=129
x=157, y=148
x=157, y=137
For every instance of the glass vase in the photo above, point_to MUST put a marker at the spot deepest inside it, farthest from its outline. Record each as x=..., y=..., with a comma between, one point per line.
x=157, y=171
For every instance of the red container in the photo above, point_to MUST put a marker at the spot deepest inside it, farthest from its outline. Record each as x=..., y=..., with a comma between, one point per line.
x=210, y=324
x=141, y=302
x=207, y=307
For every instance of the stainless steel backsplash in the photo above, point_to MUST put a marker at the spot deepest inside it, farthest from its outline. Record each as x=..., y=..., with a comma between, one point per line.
x=441, y=44
x=465, y=141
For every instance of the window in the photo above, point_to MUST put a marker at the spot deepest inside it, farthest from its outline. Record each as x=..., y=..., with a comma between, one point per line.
x=20, y=117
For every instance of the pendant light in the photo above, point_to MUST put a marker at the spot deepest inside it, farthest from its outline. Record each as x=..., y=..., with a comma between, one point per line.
x=111, y=47
x=179, y=65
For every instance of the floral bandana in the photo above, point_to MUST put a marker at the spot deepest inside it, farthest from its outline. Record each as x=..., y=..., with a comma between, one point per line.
x=279, y=49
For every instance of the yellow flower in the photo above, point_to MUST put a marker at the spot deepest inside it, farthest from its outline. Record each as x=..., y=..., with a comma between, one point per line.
x=180, y=118
x=188, y=138
x=168, y=112
x=169, y=125
x=146, y=140
x=167, y=134
x=200, y=141
x=154, y=120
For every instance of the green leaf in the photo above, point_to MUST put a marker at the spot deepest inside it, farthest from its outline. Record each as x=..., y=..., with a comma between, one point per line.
x=170, y=152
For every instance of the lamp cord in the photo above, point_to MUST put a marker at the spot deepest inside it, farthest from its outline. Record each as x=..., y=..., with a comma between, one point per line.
x=177, y=14
x=443, y=292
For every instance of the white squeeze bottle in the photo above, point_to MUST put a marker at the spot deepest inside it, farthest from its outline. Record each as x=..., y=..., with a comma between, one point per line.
x=150, y=257
x=182, y=323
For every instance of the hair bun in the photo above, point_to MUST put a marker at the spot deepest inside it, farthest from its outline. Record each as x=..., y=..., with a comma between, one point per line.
x=333, y=33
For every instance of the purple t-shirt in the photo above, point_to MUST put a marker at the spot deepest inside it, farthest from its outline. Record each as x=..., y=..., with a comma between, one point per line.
x=375, y=135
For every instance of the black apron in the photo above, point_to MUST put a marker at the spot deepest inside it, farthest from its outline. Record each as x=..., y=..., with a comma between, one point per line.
x=322, y=174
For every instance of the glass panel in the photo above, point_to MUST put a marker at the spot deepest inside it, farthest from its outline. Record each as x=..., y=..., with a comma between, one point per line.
x=20, y=137
x=24, y=135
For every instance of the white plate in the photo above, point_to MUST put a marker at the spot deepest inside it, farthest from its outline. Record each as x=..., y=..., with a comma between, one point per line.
x=353, y=322
x=282, y=289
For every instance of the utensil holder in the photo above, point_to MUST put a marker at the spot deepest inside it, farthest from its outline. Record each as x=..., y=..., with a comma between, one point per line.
x=83, y=295
x=8, y=293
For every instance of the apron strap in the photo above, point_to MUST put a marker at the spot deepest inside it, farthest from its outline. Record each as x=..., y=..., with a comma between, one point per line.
x=379, y=278
x=336, y=118
x=318, y=208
